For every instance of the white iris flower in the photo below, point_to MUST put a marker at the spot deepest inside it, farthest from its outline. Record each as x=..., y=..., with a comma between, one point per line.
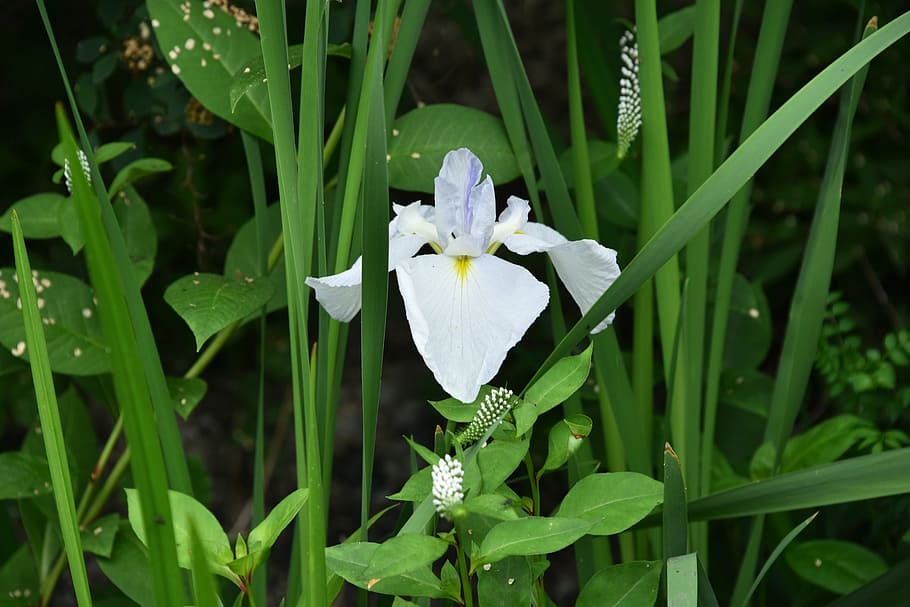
x=466, y=307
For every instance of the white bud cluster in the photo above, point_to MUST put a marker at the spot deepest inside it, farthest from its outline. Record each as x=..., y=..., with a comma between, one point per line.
x=448, y=477
x=494, y=406
x=67, y=176
x=628, y=118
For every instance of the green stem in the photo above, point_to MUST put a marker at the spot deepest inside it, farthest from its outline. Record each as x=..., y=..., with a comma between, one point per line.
x=467, y=592
x=535, y=483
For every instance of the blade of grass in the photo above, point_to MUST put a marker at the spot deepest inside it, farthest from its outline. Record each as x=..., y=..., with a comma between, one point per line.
x=412, y=18
x=727, y=179
x=49, y=415
x=682, y=581
x=675, y=519
x=850, y=480
x=375, y=238
x=764, y=69
x=128, y=290
x=807, y=311
x=778, y=550
x=312, y=520
x=702, y=118
x=130, y=387
x=257, y=186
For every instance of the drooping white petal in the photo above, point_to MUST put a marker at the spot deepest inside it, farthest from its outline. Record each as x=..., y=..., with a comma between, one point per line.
x=586, y=267
x=466, y=313
x=340, y=294
x=416, y=219
x=465, y=206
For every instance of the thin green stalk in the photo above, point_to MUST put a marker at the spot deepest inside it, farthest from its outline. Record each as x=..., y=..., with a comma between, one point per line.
x=764, y=69
x=311, y=529
x=702, y=119
x=409, y=29
x=127, y=290
x=257, y=187
x=584, y=187
x=49, y=415
x=467, y=591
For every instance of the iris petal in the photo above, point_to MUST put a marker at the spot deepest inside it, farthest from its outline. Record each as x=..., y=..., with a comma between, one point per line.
x=586, y=267
x=465, y=314
x=465, y=206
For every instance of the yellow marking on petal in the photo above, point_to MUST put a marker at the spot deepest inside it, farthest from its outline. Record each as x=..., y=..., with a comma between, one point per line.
x=462, y=265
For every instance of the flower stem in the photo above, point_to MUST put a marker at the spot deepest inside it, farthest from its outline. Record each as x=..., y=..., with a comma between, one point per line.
x=465, y=578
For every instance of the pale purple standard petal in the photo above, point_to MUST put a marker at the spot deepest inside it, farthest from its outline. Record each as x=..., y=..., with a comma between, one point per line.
x=465, y=207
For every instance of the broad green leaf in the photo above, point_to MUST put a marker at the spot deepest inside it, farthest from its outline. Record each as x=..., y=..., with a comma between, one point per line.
x=494, y=464
x=525, y=414
x=491, y=505
x=252, y=73
x=528, y=536
x=138, y=231
x=422, y=137
x=748, y=326
x=205, y=46
x=454, y=410
x=266, y=533
x=614, y=501
x=187, y=510
x=351, y=560
x=137, y=170
x=37, y=214
x=209, y=303
x=71, y=328
x=242, y=257
x=560, y=382
x=19, y=575
x=403, y=553
x=674, y=29
x=98, y=538
x=632, y=584
x=24, y=476
x=186, y=393
x=505, y=583
x=823, y=443
x=417, y=488
x=602, y=157
x=430, y=457
x=127, y=568
x=748, y=390
x=400, y=602
x=835, y=565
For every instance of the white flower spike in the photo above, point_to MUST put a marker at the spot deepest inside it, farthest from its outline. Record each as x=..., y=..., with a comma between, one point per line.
x=467, y=308
x=448, y=478
x=628, y=118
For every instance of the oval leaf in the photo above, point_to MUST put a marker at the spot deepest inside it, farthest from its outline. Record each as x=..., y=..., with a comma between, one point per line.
x=205, y=47
x=186, y=392
x=632, y=584
x=838, y=566
x=209, y=303
x=614, y=501
x=404, y=553
x=560, y=381
x=527, y=536
x=74, y=341
x=422, y=137
x=24, y=476
x=137, y=170
x=186, y=510
x=266, y=533
x=37, y=215
x=350, y=560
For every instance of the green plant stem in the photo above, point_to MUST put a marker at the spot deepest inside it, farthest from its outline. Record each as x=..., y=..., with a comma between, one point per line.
x=466, y=590
x=535, y=482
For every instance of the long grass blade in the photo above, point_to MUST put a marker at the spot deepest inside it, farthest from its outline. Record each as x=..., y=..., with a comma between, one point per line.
x=128, y=290
x=778, y=550
x=807, y=311
x=49, y=415
x=729, y=178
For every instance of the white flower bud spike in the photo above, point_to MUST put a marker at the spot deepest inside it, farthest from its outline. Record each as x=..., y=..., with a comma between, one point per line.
x=86, y=170
x=494, y=406
x=628, y=115
x=448, y=478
